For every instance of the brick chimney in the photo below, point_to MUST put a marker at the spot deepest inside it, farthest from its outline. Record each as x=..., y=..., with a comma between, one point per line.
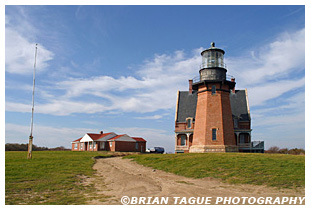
x=190, y=86
x=233, y=80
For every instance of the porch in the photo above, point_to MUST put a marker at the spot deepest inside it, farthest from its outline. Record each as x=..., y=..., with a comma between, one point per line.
x=252, y=147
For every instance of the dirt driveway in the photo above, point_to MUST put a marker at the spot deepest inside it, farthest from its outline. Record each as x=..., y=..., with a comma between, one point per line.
x=117, y=177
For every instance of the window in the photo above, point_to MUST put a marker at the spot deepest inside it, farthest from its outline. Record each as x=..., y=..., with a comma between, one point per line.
x=182, y=140
x=81, y=146
x=189, y=122
x=111, y=144
x=214, y=134
x=136, y=146
x=213, y=90
x=76, y=146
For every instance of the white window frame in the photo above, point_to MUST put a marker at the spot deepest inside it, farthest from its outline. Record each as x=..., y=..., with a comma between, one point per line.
x=191, y=121
x=76, y=146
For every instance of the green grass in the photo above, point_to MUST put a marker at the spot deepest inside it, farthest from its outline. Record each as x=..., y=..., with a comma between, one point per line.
x=51, y=177
x=276, y=170
x=54, y=177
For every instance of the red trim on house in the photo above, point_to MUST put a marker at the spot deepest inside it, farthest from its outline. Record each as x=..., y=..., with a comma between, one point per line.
x=96, y=136
x=139, y=139
x=78, y=140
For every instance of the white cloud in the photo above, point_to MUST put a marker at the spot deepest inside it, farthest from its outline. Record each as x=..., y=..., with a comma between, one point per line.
x=276, y=60
x=158, y=80
x=153, y=117
x=260, y=94
x=20, y=39
x=59, y=107
x=20, y=54
x=17, y=107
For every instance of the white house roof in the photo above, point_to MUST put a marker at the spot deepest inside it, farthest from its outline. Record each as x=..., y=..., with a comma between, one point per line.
x=97, y=137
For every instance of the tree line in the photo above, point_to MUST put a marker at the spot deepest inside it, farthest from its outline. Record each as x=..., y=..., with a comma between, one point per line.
x=24, y=147
x=294, y=151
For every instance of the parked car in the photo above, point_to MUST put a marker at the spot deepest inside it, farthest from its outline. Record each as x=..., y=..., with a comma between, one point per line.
x=155, y=150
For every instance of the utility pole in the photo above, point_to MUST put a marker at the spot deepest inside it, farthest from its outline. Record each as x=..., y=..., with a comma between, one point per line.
x=29, y=155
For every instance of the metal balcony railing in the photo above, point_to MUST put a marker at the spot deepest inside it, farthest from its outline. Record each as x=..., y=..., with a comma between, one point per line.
x=253, y=144
x=198, y=78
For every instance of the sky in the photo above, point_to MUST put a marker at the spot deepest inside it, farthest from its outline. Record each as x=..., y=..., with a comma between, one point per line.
x=118, y=69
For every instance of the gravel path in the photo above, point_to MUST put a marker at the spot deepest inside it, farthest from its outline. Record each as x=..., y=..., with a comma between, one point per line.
x=117, y=177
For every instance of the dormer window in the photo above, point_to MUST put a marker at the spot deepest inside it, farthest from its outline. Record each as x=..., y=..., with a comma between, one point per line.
x=189, y=123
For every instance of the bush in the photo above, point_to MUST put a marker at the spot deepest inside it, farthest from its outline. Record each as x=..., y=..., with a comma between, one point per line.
x=296, y=151
x=276, y=149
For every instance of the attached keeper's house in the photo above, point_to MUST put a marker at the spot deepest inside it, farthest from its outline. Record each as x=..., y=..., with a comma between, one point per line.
x=109, y=142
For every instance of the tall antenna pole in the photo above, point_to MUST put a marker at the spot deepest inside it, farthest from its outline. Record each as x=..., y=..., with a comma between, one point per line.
x=29, y=155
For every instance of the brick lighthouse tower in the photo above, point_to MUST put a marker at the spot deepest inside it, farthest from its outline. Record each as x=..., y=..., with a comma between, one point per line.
x=213, y=130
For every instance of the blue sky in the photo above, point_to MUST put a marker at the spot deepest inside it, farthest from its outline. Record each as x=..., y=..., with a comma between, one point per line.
x=118, y=68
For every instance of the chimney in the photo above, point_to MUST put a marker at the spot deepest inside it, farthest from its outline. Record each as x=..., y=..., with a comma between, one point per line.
x=233, y=90
x=101, y=132
x=190, y=86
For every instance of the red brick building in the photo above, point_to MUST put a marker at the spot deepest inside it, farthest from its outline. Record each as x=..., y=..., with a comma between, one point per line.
x=212, y=116
x=109, y=142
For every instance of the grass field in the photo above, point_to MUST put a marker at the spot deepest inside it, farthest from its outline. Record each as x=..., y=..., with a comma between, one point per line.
x=54, y=177
x=283, y=171
x=51, y=177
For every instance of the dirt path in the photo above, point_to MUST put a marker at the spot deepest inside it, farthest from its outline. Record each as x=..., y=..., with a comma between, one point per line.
x=117, y=177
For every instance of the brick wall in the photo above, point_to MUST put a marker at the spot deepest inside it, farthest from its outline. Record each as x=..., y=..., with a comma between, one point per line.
x=124, y=146
x=213, y=112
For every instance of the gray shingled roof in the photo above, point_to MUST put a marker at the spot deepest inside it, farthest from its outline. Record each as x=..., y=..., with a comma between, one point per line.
x=187, y=105
x=239, y=105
